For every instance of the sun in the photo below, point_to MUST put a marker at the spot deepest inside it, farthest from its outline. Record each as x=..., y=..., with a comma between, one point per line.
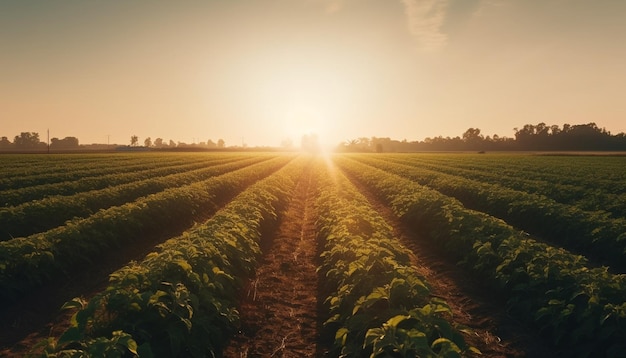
x=298, y=92
x=308, y=127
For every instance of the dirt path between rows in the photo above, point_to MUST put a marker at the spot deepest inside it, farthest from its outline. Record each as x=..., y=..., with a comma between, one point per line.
x=496, y=334
x=279, y=316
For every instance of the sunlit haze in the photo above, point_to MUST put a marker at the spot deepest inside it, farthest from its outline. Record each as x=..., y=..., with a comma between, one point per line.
x=261, y=73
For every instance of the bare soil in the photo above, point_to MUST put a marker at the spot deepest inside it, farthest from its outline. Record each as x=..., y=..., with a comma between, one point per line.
x=279, y=314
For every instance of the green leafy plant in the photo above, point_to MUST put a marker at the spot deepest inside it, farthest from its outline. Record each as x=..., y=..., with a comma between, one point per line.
x=181, y=300
x=370, y=282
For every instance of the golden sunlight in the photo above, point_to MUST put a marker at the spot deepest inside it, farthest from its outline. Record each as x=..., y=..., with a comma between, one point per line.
x=299, y=92
x=300, y=121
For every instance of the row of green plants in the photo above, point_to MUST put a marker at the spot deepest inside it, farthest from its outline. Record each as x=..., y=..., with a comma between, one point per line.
x=603, y=171
x=377, y=303
x=100, y=181
x=47, y=173
x=180, y=301
x=594, y=234
x=579, y=309
x=586, y=196
x=27, y=263
x=514, y=179
x=27, y=165
x=41, y=215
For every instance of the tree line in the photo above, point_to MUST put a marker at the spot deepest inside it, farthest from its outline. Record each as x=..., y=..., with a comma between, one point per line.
x=539, y=137
x=160, y=143
x=30, y=141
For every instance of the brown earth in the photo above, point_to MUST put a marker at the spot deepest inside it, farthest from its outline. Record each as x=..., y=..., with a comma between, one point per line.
x=279, y=311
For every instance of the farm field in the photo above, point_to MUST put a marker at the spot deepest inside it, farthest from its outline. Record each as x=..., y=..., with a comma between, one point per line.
x=296, y=255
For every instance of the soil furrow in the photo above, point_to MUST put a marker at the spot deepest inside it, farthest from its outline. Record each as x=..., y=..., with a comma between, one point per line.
x=279, y=311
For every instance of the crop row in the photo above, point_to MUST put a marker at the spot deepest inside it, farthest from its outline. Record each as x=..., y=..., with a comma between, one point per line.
x=603, y=173
x=109, y=178
x=517, y=180
x=26, y=263
x=586, y=196
x=23, y=165
x=595, y=234
x=180, y=301
x=581, y=309
x=70, y=171
x=377, y=302
x=40, y=215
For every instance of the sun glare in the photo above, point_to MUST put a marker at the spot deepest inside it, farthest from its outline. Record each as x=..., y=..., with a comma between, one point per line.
x=301, y=93
x=308, y=127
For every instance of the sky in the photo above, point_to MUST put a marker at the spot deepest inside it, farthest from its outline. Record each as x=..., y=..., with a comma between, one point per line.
x=260, y=72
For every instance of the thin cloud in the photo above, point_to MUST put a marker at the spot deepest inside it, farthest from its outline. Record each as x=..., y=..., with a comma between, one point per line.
x=334, y=6
x=487, y=5
x=425, y=19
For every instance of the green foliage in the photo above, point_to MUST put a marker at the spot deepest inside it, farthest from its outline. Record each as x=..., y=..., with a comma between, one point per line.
x=26, y=263
x=81, y=198
x=579, y=308
x=403, y=335
x=596, y=233
x=370, y=282
x=180, y=301
x=120, y=345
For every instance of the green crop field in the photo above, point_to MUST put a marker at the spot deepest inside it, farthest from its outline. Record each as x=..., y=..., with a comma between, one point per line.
x=180, y=237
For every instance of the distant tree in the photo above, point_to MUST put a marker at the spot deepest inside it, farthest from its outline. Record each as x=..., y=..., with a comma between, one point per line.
x=221, y=143
x=27, y=141
x=158, y=142
x=5, y=143
x=352, y=143
x=473, y=139
x=211, y=144
x=384, y=144
x=134, y=140
x=172, y=144
x=524, y=136
x=65, y=143
x=542, y=129
x=472, y=135
x=566, y=127
x=147, y=142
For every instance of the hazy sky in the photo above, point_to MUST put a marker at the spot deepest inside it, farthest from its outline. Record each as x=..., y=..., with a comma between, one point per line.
x=263, y=71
